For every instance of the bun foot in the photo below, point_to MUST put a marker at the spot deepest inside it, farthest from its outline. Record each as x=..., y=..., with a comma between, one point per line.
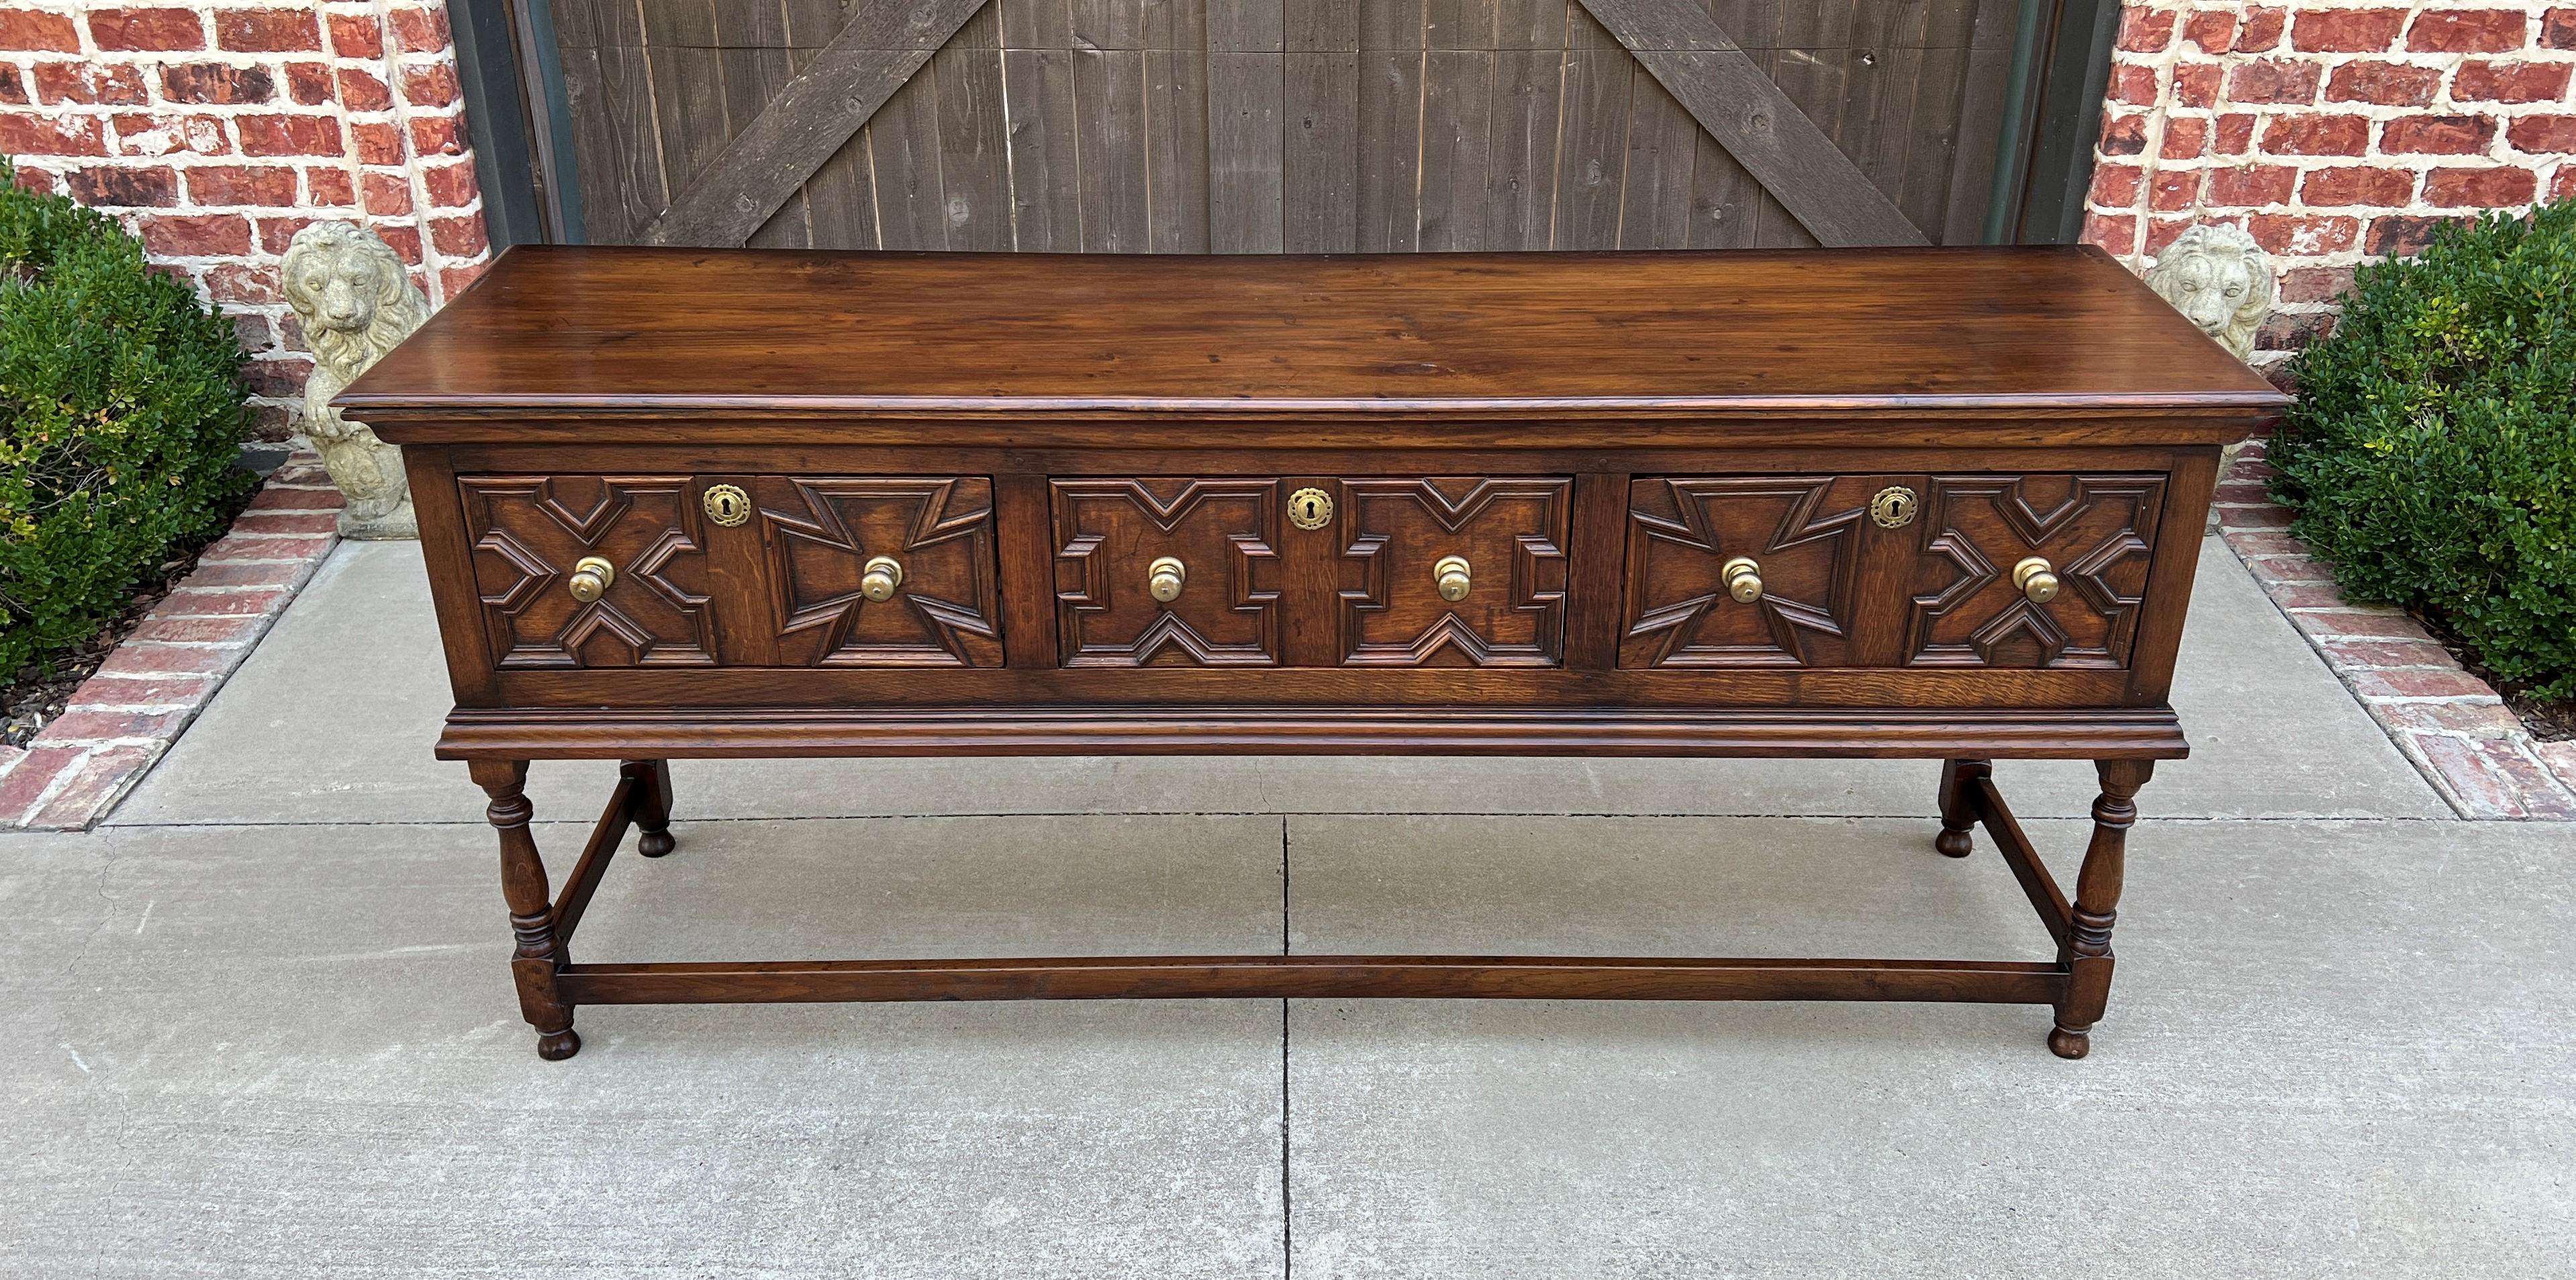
x=555, y=1046
x=655, y=843
x=1955, y=844
x=2069, y=1044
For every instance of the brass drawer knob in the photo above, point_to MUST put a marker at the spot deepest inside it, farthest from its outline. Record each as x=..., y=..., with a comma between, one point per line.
x=1451, y=573
x=883, y=574
x=2037, y=579
x=590, y=578
x=1165, y=578
x=1743, y=579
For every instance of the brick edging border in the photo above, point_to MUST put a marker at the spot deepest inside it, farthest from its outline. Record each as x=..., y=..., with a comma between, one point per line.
x=125, y=716
x=2448, y=722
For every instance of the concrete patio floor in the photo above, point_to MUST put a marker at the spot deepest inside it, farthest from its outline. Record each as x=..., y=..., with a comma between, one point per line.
x=259, y=1023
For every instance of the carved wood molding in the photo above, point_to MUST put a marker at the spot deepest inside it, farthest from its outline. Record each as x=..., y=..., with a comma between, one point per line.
x=530, y=530
x=2099, y=530
x=876, y=51
x=1721, y=86
x=821, y=532
x=1512, y=530
x=1808, y=557
x=1222, y=530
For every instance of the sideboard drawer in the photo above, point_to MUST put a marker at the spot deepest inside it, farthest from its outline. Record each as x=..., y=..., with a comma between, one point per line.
x=1317, y=571
x=1453, y=572
x=530, y=535
x=738, y=571
x=1802, y=536
x=1821, y=571
x=1397, y=586
x=1172, y=572
x=2095, y=533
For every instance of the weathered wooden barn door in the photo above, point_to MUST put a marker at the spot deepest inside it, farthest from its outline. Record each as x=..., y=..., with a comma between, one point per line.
x=1127, y=126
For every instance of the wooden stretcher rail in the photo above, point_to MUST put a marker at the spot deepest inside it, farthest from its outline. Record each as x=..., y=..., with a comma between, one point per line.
x=1278, y=977
x=593, y=863
x=2045, y=897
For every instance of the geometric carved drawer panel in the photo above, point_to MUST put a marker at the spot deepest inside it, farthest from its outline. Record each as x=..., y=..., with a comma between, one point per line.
x=819, y=534
x=2098, y=531
x=1803, y=532
x=529, y=531
x=1511, y=533
x=1223, y=532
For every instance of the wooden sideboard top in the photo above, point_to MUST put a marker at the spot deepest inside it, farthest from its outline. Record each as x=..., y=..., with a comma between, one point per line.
x=574, y=332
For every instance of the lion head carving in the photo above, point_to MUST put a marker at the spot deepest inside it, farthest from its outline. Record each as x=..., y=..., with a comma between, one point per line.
x=2218, y=277
x=352, y=294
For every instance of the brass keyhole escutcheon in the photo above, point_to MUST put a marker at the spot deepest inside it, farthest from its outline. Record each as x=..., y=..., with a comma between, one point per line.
x=590, y=578
x=727, y=505
x=1893, y=507
x=1310, y=508
x=883, y=575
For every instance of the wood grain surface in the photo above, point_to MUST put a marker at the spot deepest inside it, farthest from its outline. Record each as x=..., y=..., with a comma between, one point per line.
x=1749, y=333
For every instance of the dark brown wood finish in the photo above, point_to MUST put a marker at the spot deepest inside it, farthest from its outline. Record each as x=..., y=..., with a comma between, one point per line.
x=2097, y=530
x=1321, y=977
x=1222, y=533
x=2085, y=949
x=820, y=535
x=528, y=534
x=1504, y=535
x=652, y=806
x=1437, y=730
x=888, y=504
x=537, y=953
x=1805, y=534
x=671, y=333
x=1958, y=806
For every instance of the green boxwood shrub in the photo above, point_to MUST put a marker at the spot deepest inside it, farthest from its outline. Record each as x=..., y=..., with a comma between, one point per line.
x=2431, y=457
x=124, y=417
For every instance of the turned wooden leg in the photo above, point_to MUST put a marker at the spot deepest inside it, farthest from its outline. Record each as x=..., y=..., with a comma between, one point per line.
x=1958, y=816
x=653, y=806
x=2097, y=899
x=532, y=924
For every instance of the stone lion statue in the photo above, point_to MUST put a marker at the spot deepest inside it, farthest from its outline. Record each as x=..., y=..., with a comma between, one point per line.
x=2218, y=277
x=350, y=290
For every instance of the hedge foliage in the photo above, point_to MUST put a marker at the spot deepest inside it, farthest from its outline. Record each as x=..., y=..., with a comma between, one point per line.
x=125, y=414
x=2431, y=457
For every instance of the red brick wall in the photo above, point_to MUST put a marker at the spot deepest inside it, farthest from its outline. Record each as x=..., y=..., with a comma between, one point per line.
x=2337, y=131
x=216, y=128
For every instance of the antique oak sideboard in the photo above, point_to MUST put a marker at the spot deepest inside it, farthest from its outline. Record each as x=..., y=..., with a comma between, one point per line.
x=1941, y=504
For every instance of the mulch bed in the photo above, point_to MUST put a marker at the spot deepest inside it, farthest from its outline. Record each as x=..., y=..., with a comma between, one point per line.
x=2548, y=720
x=32, y=697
